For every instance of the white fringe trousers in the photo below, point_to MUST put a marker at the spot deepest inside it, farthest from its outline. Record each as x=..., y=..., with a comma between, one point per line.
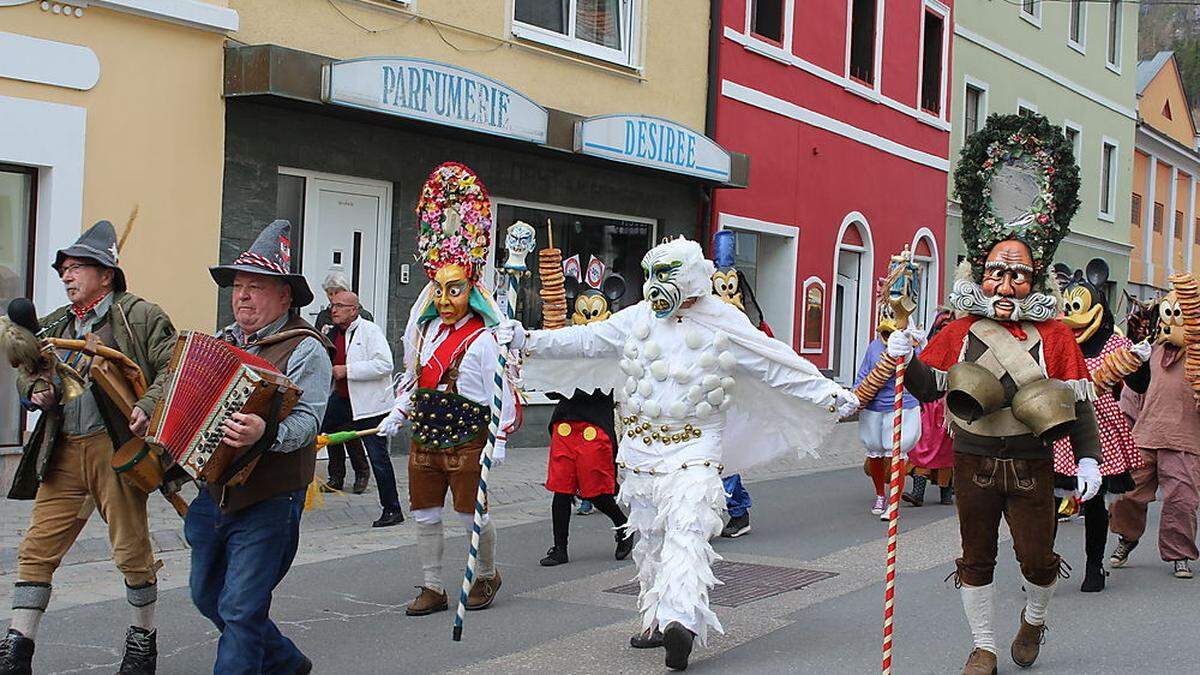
x=675, y=515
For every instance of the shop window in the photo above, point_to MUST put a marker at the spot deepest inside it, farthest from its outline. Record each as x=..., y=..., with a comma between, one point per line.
x=1179, y=225
x=813, y=316
x=766, y=19
x=1075, y=22
x=1135, y=209
x=862, y=41
x=1114, y=33
x=18, y=207
x=600, y=29
x=1108, y=175
x=618, y=243
x=931, y=63
x=1158, y=216
x=973, y=109
x=289, y=205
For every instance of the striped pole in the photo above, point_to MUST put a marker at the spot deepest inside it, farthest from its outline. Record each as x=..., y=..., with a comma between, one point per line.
x=889, y=594
x=507, y=302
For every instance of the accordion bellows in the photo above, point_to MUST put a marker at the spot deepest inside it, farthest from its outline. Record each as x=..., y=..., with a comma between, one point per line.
x=210, y=381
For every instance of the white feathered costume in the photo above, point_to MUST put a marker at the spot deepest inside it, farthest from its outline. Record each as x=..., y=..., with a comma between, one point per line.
x=696, y=388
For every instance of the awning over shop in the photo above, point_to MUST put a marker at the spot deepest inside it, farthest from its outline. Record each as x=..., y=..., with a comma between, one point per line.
x=430, y=92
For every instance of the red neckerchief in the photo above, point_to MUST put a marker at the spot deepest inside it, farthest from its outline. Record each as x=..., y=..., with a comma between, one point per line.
x=81, y=311
x=1060, y=352
x=447, y=352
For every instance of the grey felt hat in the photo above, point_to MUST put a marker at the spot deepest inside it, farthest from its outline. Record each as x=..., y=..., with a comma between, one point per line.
x=270, y=254
x=99, y=244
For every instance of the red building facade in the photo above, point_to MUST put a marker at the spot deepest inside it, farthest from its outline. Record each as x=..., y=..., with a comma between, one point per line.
x=843, y=108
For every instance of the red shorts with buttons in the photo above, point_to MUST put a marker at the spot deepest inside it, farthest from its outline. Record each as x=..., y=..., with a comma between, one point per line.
x=581, y=460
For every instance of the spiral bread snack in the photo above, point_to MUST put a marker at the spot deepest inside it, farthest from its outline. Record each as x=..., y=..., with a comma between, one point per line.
x=1187, y=290
x=553, y=293
x=874, y=381
x=1116, y=367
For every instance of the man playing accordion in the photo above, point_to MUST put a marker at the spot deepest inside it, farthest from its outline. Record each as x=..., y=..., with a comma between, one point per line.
x=68, y=460
x=244, y=536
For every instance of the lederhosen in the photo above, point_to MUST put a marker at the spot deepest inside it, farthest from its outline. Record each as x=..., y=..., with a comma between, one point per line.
x=448, y=435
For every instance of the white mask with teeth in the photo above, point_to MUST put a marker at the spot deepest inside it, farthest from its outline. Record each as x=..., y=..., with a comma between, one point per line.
x=675, y=271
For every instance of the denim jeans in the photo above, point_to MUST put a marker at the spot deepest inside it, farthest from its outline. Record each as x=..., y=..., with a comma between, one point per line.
x=237, y=561
x=738, y=502
x=339, y=417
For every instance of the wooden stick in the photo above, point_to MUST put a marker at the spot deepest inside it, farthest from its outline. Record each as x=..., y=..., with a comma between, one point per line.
x=549, y=234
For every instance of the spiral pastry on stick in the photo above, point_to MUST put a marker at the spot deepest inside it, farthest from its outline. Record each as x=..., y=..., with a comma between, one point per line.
x=553, y=292
x=874, y=381
x=1116, y=367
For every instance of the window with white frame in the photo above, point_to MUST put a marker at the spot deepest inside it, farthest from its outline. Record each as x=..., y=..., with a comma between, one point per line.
x=1025, y=110
x=933, y=37
x=973, y=110
x=862, y=40
x=1108, y=177
x=1075, y=23
x=1114, y=33
x=1072, y=134
x=767, y=19
x=602, y=29
x=1031, y=11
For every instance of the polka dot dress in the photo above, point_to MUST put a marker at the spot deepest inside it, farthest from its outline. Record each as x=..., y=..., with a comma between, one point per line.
x=1116, y=438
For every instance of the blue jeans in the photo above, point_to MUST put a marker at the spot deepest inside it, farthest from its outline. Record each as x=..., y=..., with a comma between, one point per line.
x=339, y=417
x=237, y=561
x=738, y=502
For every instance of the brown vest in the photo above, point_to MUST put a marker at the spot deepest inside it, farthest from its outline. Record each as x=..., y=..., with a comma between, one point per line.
x=276, y=472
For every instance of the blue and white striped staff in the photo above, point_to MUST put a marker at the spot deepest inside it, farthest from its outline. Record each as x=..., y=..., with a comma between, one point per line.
x=519, y=241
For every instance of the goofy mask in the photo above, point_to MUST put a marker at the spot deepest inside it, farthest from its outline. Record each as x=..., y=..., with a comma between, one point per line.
x=1170, y=321
x=725, y=282
x=592, y=299
x=675, y=271
x=1085, y=307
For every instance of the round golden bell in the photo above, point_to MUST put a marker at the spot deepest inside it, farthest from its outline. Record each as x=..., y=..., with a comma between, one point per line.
x=696, y=433
x=646, y=440
x=664, y=428
x=666, y=441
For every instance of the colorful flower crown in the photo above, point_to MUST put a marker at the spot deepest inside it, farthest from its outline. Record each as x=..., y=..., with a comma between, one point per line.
x=455, y=217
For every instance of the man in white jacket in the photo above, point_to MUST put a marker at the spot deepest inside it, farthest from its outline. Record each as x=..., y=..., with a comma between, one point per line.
x=362, y=393
x=698, y=389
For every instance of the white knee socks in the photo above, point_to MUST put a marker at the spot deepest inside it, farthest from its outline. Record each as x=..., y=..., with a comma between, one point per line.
x=430, y=545
x=486, y=567
x=1037, y=599
x=142, y=600
x=978, y=604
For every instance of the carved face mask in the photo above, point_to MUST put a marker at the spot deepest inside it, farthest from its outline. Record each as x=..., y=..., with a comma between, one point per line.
x=675, y=271
x=451, y=293
x=1083, y=314
x=726, y=287
x=590, y=306
x=1170, y=321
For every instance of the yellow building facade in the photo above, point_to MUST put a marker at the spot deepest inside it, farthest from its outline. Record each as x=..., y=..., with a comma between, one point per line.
x=1163, y=207
x=107, y=106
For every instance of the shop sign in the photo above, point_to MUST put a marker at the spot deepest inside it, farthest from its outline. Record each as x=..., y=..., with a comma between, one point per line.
x=435, y=92
x=653, y=142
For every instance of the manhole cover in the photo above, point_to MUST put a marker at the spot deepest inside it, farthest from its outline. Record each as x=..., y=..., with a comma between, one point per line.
x=747, y=582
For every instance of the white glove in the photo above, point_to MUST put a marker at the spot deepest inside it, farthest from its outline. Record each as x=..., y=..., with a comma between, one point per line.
x=1087, y=475
x=918, y=337
x=497, y=454
x=391, y=425
x=1141, y=350
x=900, y=344
x=510, y=332
x=847, y=403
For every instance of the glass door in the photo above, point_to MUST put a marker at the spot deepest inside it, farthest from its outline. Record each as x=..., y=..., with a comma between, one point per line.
x=18, y=203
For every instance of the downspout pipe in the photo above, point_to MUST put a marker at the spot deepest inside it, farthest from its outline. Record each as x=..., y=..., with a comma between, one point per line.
x=705, y=226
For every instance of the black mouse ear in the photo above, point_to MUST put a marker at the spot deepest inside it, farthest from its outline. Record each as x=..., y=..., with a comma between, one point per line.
x=614, y=288
x=1062, y=275
x=572, y=288
x=1097, y=273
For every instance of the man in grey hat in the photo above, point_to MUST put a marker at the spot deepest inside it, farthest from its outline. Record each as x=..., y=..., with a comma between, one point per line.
x=80, y=434
x=244, y=537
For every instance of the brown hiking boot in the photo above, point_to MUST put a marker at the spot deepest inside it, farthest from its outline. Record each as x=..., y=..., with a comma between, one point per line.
x=483, y=592
x=428, y=602
x=1028, y=643
x=980, y=662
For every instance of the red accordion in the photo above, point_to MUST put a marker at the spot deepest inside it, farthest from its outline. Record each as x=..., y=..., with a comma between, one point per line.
x=210, y=381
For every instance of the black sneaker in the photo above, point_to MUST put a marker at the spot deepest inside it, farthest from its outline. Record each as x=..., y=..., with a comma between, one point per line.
x=651, y=639
x=677, y=640
x=389, y=518
x=1120, y=556
x=1093, y=578
x=360, y=484
x=555, y=556
x=16, y=654
x=1182, y=570
x=736, y=527
x=141, y=652
x=624, y=544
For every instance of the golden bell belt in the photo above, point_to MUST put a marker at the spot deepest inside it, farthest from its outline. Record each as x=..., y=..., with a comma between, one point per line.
x=663, y=472
x=665, y=434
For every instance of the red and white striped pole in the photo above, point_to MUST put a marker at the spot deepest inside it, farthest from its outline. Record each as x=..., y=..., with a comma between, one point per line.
x=893, y=506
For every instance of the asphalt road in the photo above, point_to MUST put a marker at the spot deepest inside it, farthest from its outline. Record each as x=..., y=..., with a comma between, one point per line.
x=347, y=613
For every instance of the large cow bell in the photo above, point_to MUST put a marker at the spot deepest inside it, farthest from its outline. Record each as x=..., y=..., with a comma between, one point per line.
x=973, y=391
x=1047, y=407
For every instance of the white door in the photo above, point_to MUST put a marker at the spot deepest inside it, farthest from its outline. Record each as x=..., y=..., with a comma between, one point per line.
x=346, y=230
x=846, y=342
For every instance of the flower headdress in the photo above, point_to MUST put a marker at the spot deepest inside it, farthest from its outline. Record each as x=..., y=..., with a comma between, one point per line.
x=1030, y=159
x=455, y=217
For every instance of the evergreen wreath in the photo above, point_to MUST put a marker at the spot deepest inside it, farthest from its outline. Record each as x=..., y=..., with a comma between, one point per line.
x=1006, y=139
